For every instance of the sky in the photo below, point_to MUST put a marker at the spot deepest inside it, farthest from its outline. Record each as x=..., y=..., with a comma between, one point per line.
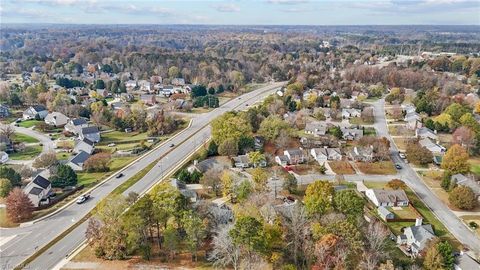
x=243, y=12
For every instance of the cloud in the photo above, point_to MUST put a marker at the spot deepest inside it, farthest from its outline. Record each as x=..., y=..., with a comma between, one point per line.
x=227, y=7
x=287, y=2
x=295, y=10
x=24, y=13
x=58, y=2
x=418, y=6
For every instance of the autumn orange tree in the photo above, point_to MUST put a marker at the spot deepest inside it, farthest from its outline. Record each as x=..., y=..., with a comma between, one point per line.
x=456, y=160
x=19, y=206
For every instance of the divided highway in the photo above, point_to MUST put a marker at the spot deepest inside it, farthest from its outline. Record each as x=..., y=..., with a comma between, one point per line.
x=24, y=241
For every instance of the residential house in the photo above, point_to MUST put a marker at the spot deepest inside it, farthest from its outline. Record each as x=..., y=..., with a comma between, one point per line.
x=416, y=237
x=38, y=190
x=178, y=81
x=362, y=154
x=433, y=147
x=346, y=103
x=56, y=119
x=4, y=111
x=259, y=141
x=167, y=90
x=349, y=113
x=84, y=145
x=413, y=119
x=425, y=132
x=184, y=190
x=463, y=180
x=316, y=128
x=77, y=162
x=3, y=157
x=295, y=156
x=91, y=133
x=464, y=262
x=35, y=112
x=409, y=108
x=281, y=160
x=241, y=161
x=323, y=154
x=351, y=134
x=384, y=213
x=75, y=125
x=144, y=85
x=131, y=84
x=149, y=100
x=381, y=197
x=6, y=143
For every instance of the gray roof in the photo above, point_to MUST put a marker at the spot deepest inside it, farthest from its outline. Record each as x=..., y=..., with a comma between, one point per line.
x=90, y=130
x=35, y=191
x=421, y=233
x=390, y=196
x=295, y=152
x=80, y=158
x=241, y=159
x=79, y=121
x=383, y=211
x=39, y=108
x=461, y=179
x=41, y=181
x=465, y=262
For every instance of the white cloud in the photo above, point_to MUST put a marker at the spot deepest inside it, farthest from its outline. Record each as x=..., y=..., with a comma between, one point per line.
x=287, y=2
x=228, y=7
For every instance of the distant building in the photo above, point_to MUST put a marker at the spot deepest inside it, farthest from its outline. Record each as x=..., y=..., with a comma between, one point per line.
x=323, y=154
x=3, y=157
x=91, y=133
x=351, y=134
x=84, y=145
x=75, y=125
x=35, y=112
x=56, y=119
x=148, y=99
x=178, y=81
x=433, y=147
x=363, y=154
x=316, y=128
x=350, y=113
x=425, y=132
x=77, y=162
x=295, y=156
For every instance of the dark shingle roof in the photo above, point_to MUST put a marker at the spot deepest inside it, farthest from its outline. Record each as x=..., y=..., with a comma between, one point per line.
x=79, y=121
x=41, y=181
x=87, y=141
x=90, y=130
x=80, y=158
x=35, y=191
x=39, y=108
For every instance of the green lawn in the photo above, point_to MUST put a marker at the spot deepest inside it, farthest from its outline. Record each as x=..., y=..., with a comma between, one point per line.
x=475, y=166
x=30, y=152
x=118, y=136
x=29, y=123
x=20, y=137
x=370, y=131
x=63, y=155
x=359, y=121
x=89, y=179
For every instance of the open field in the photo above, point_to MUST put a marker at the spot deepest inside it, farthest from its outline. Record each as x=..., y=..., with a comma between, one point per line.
x=30, y=152
x=401, y=143
x=379, y=167
x=341, y=167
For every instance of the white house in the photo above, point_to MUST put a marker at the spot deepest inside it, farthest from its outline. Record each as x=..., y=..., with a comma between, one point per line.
x=381, y=197
x=295, y=156
x=316, y=128
x=77, y=162
x=91, y=133
x=75, y=125
x=56, y=119
x=349, y=113
x=323, y=154
x=84, y=145
x=241, y=161
x=435, y=148
x=35, y=112
x=425, y=132
x=416, y=237
x=38, y=190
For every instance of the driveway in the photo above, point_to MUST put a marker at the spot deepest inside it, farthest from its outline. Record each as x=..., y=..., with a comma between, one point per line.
x=411, y=178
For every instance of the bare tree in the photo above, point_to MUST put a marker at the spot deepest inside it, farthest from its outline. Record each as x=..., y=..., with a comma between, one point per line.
x=7, y=131
x=375, y=234
x=45, y=160
x=282, y=139
x=225, y=252
x=296, y=223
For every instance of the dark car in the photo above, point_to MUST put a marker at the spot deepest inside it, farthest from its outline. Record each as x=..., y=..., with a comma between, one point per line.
x=83, y=198
x=172, y=145
x=398, y=166
x=119, y=175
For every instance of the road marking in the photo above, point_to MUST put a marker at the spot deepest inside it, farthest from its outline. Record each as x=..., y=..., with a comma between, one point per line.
x=5, y=239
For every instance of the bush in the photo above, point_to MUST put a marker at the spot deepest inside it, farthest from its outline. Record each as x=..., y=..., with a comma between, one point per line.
x=396, y=184
x=5, y=187
x=462, y=197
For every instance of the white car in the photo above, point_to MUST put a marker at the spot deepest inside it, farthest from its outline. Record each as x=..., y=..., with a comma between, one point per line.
x=111, y=145
x=402, y=155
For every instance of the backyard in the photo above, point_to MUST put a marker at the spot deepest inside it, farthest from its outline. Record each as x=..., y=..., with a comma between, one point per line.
x=341, y=167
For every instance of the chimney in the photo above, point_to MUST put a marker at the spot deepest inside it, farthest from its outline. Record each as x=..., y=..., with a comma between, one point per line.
x=195, y=162
x=418, y=221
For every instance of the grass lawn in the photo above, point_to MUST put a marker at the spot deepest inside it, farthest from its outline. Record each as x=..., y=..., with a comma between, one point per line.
x=369, y=131
x=475, y=166
x=29, y=123
x=20, y=137
x=380, y=167
x=401, y=144
x=118, y=136
x=89, y=179
x=341, y=167
x=359, y=121
x=4, y=222
x=62, y=155
x=400, y=131
x=403, y=212
x=30, y=152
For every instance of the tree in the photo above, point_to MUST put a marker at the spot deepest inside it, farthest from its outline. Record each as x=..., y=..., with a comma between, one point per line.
x=418, y=154
x=469, y=120
x=249, y=234
x=336, y=132
x=64, y=177
x=446, y=250
x=230, y=126
x=228, y=147
x=227, y=183
x=5, y=187
x=456, y=160
x=256, y=158
x=243, y=190
x=211, y=178
x=433, y=258
x=464, y=136
x=318, y=198
x=349, y=203
x=10, y=174
x=199, y=91
x=396, y=184
x=271, y=127
x=456, y=111
x=462, y=197
x=173, y=72
x=225, y=252
x=19, y=207
x=212, y=149
x=7, y=131
x=171, y=240
x=99, y=84
x=290, y=183
x=98, y=163
x=45, y=160
x=195, y=229
x=260, y=178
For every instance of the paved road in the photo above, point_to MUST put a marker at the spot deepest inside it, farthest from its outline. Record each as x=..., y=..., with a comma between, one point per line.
x=19, y=248
x=407, y=174
x=48, y=144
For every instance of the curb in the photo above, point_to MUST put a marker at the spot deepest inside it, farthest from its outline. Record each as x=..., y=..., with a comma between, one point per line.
x=26, y=224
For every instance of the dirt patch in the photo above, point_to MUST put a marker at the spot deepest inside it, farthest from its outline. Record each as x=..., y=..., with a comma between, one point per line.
x=341, y=167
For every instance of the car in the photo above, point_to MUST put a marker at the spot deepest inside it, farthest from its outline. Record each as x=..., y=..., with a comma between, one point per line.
x=172, y=145
x=246, y=104
x=111, y=145
x=18, y=120
x=83, y=198
x=398, y=166
x=119, y=175
x=402, y=155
